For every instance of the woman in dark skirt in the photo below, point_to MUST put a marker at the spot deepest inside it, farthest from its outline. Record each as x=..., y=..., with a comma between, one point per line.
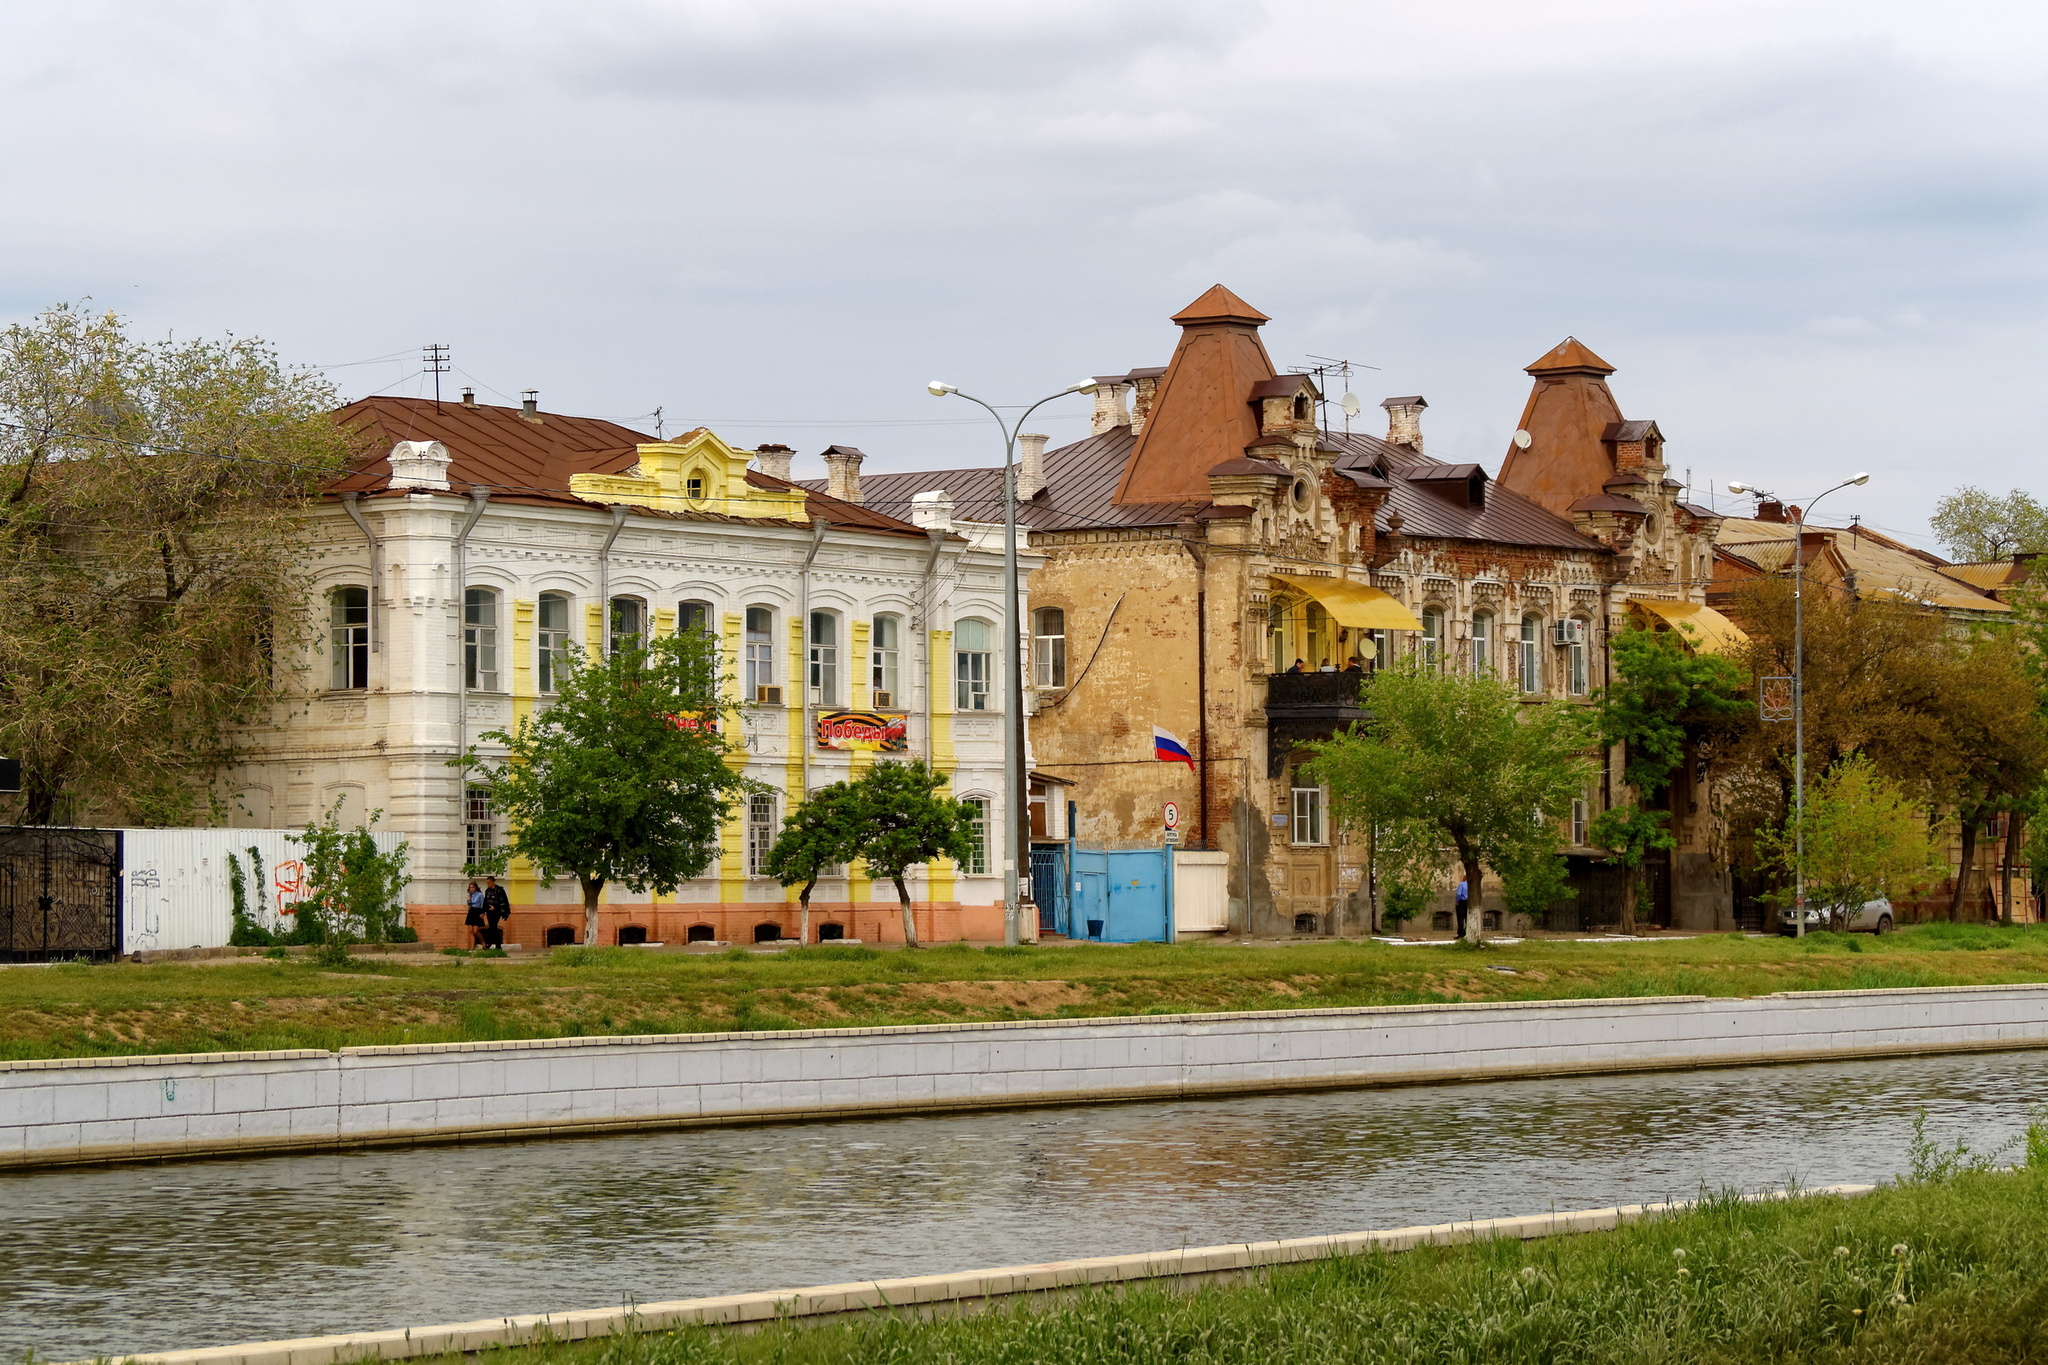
x=475, y=919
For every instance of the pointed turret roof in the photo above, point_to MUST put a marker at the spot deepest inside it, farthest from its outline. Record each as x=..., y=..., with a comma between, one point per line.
x=1219, y=305
x=1566, y=357
x=1202, y=414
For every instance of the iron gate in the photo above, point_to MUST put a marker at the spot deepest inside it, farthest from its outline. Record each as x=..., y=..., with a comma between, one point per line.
x=60, y=893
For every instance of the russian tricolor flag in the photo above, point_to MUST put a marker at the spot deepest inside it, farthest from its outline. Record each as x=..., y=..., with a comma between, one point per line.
x=1167, y=749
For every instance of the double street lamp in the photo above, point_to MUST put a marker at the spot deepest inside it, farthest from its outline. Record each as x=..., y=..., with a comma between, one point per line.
x=1799, y=689
x=1017, y=837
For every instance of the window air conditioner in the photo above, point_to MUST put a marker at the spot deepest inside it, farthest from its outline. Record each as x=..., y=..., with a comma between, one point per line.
x=1570, y=632
x=883, y=699
x=768, y=696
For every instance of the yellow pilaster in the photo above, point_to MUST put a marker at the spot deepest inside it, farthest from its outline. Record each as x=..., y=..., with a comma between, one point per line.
x=593, y=630
x=520, y=877
x=798, y=697
x=857, y=670
x=944, y=757
x=732, y=840
x=664, y=621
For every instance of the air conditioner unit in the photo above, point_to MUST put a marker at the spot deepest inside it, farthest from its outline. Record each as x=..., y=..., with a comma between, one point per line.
x=768, y=696
x=1570, y=632
x=884, y=699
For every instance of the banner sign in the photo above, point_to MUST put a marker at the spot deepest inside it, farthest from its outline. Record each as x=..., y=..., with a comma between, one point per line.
x=866, y=731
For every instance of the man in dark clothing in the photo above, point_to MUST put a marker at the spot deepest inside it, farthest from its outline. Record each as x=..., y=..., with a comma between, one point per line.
x=497, y=909
x=1297, y=667
x=1464, y=905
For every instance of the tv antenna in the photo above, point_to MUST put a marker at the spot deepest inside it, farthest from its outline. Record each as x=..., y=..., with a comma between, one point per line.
x=1348, y=404
x=434, y=360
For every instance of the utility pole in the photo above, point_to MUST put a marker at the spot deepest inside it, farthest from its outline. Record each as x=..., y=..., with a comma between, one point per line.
x=434, y=360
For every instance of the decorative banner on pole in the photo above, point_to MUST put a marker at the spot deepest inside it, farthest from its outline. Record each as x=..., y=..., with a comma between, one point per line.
x=865, y=731
x=1167, y=749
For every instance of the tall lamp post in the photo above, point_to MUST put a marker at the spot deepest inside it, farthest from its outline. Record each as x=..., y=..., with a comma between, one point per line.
x=1799, y=690
x=1015, y=819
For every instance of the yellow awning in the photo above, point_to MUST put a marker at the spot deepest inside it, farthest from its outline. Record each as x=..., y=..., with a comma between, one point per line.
x=1354, y=605
x=1703, y=628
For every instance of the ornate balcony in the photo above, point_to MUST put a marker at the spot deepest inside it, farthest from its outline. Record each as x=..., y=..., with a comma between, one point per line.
x=1307, y=706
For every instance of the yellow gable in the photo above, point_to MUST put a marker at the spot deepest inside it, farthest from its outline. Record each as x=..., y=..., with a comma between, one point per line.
x=699, y=473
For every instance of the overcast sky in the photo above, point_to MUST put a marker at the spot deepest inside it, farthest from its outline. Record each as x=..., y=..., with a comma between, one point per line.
x=1808, y=234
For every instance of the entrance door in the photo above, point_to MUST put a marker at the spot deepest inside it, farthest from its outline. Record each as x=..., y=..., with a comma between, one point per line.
x=1091, y=904
x=1308, y=888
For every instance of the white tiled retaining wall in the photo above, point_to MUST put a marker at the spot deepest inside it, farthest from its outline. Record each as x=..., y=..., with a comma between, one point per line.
x=128, y=1108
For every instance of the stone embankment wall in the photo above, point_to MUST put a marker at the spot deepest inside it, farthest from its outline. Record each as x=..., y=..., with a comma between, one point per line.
x=146, y=1108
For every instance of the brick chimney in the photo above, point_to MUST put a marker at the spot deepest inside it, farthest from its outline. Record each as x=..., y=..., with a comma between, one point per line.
x=1404, y=421
x=1110, y=412
x=1144, y=387
x=1031, y=465
x=420, y=464
x=774, y=461
x=1770, y=509
x=842, y=472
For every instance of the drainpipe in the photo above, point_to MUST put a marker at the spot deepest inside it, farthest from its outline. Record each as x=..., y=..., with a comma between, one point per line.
x=924, y=630
x=604, y=583
x=803, y=672
x=348, y=504
x=478, y=496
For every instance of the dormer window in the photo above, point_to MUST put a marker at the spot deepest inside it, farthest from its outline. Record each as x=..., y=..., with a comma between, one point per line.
x=693, y=487
x=1303, y=410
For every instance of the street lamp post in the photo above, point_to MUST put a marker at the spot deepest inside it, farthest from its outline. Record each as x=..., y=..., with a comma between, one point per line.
x=1016, y=835
x=1799, y=691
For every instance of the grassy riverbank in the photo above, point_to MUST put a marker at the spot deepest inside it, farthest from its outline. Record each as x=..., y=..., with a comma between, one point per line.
x=1949, y=1272
x=255, y=1003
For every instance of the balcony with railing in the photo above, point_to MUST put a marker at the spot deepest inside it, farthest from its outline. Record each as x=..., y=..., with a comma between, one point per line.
x=1308, y=706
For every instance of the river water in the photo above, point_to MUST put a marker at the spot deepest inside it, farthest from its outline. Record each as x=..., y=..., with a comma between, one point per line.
x=103, y=1262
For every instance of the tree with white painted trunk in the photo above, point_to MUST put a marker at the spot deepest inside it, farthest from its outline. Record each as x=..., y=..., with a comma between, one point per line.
x=628, y=776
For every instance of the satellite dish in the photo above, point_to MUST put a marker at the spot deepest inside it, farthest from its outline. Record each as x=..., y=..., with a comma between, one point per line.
x=1522, y=440
x=1349, y=402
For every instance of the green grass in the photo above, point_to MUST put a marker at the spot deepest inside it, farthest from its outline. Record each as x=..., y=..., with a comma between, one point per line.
x=259, y=1003
x=1943, y=1272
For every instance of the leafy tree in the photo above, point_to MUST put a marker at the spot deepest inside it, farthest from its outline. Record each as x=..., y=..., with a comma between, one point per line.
x=624, y=778
x=354, y=888
x=1465, y=757
x=150, y=496
x=1408, y=863
x=902, y=821
x=824, y=832
x=1865, y=838
x=1976, y=526
x=1665, y=701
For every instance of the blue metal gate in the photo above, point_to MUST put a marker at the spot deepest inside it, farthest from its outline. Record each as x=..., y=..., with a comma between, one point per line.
x=1123, y=890
x=1049, y=888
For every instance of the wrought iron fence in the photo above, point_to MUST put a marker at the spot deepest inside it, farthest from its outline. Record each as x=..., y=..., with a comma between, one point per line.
x=60, y=893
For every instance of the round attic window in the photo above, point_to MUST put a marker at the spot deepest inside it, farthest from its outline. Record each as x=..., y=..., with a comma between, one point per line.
x=1301, y=492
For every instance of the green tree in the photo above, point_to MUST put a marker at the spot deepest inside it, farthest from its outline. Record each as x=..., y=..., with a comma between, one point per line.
x=1666, y=701
x=626, y=777
x=822, y=833
x=150, y=557
x=1976, y=526
x=902, y=821
x=356, y=889
x=1465, y=757
x=1865, y=838
x=1409, y=866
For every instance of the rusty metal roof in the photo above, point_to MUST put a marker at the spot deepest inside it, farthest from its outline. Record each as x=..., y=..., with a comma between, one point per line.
x=1507, y=517
x=526, y=461
x=1610, y=502
x=1881, y=564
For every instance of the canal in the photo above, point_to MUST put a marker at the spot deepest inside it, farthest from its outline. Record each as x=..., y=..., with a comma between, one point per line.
x=104, y=1262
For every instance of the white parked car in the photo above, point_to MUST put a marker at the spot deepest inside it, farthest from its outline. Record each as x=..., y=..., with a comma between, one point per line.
x=1874, y=917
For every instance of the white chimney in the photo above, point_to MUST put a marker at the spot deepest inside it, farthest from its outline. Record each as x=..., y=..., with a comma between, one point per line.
x=774, y=461
x=1030, y=465
x=420, y=464
x=1110, y=392
x=842, y=472
x=1404, y=421
x=932, y=510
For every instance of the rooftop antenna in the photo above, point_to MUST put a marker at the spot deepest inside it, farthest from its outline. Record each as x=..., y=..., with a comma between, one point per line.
x=434, y=360
x=1349, y=402
x=657, y=425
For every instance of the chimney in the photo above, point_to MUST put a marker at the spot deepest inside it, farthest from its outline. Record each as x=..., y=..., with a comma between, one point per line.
x=932, y=510
x=842, y=472
x=468, y=396
x=1404, y=421
x=1031, y=465
x=1110, y=392
x=420, y=464
x=774, y=461
x=1144, y=387
x=1770, y=509
x=529, y=405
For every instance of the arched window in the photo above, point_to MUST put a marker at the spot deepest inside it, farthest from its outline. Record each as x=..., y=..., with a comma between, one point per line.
x=885, y=646
x=480, y=640
x=977, y=859
x=1432, y=645
x=348, y=615
x=701, y=933
x=693, y=485
x=973, y=665
x=561, y=936
x=1576, y=631
x=824, y=659
x=629, y=624
x=1482, y=644
x=694, y=618
x=551, y=642
x=1532, y=653
x=1049, y=647
x=759, y=663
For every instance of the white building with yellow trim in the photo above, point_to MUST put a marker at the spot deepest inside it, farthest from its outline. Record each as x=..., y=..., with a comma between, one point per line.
x=453, y=571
